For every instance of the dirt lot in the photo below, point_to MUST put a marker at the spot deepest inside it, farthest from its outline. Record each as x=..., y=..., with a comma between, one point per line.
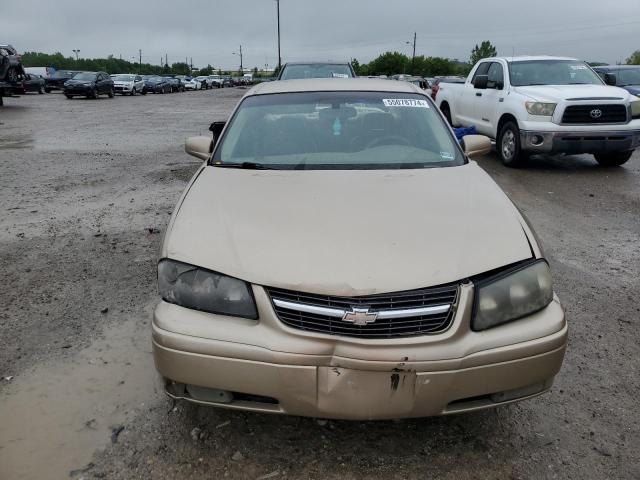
x=86, y=191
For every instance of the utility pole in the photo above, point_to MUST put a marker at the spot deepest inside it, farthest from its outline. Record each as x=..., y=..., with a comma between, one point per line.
x=140, y=62
x=413, y=57
x=241, y=69
x=166, y=60
x=279, y=57
x=76, y=51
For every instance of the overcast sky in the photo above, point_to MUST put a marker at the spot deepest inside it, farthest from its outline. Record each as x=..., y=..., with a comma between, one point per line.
x=211, y=30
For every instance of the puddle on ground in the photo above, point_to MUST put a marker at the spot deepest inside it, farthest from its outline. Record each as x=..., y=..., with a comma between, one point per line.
x=53, y=418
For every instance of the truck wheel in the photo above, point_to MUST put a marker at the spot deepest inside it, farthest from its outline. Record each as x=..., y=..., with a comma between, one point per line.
x=446, y=111
x=613, y=159
x=509, y=146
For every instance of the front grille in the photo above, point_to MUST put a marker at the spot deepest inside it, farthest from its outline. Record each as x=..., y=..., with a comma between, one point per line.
x=381, y=328
x=580, y=114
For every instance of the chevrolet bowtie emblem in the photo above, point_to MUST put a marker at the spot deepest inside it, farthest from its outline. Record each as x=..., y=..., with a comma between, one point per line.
x=359, y=316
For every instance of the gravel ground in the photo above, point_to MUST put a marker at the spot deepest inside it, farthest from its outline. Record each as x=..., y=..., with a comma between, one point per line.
x=86, y=191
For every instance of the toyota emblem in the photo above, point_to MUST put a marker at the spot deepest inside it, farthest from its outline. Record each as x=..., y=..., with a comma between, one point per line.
x=595, y=113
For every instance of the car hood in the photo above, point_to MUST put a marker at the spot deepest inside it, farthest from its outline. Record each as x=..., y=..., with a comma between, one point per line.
x=347, y=232
x=566, y=92
x=79, y=82
x=633, y=89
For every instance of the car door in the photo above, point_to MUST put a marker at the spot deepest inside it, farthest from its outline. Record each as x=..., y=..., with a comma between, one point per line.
x=486, y=105
x=139, y=83
x=471, y=94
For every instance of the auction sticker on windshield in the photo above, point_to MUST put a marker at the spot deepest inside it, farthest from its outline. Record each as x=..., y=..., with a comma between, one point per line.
x=405, y=102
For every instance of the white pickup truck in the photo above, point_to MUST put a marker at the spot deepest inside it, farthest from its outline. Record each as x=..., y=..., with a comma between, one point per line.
x=545, y=105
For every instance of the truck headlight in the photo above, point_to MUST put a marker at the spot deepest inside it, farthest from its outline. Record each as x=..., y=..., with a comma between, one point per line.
x=540, y=108
x=635, y=109
x=200, y=289
x=511, y=295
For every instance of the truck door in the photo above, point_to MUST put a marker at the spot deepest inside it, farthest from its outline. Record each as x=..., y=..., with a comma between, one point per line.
x=469, y=98
x=486, y=101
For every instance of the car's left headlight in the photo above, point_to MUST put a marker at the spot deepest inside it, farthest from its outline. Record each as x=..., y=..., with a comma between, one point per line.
x=200, y=289
x=635, y=109
x=511, y=295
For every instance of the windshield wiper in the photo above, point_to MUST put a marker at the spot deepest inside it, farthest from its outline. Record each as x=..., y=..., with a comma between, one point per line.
x=244, y=165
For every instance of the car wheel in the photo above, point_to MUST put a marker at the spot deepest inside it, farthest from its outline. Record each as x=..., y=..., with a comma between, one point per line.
x=446, y=111
x=12, y=75
x=133, y=92
x=47, y=90
x=68, y=96
x=509, y=146
x=111, y=93
x=40, y=89
x=94, y=93
x=612, y=159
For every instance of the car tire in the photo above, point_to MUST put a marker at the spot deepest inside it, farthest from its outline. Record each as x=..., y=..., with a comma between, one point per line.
x=47, y=90
x=446, y=111
x=508, y=146
x=12, y=75
x=111, y=93
x=95, y=94
x=68, y=96
x=134, y=92
x=612, y=159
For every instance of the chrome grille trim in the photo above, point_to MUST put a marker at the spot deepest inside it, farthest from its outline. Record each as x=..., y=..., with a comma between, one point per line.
x=382, y=314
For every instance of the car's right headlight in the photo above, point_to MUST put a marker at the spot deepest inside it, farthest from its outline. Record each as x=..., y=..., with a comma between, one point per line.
x=201, y=289
x=511, y=295
x=540, y=108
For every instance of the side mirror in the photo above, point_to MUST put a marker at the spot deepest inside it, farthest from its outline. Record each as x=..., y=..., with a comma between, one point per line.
x=199, y=147
x=476, y=145
x=480, y=82
x=610, y=79
x=216, y=129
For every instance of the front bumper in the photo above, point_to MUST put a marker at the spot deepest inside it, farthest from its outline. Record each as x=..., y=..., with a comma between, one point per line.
x=266, y=366
x=575, y=142
x=123, y=88
x=78, y=90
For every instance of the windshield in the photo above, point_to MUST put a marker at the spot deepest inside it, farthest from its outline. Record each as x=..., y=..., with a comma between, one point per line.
x=292, y=72
x=338, y=130
x=84, y=76
x=123, y=78
x=552, y=72
x=626, y=76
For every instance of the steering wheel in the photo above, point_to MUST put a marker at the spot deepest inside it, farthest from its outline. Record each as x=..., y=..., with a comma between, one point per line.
x=387, y=140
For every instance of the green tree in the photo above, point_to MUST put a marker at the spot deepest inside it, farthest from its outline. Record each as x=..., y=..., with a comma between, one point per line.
x=485, y=50
x=389, y=63
x=634, y=59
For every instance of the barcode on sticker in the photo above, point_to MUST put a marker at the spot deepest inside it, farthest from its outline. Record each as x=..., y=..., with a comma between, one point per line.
x=339, y=75
x=405, y=102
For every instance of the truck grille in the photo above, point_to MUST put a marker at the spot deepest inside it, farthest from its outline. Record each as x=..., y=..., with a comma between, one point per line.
x=581, y=114
x=389, y=315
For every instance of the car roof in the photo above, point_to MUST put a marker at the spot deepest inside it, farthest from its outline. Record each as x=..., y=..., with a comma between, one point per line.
x=333, y=85
x=525, y=58
x=313, y=62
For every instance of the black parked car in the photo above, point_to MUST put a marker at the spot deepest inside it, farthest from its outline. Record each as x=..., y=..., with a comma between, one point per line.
x=624, y=76
x=33, y=83
x=57, y=79
x=156, y=84
x=11, y=70
x=90, y=85
x=176, y=84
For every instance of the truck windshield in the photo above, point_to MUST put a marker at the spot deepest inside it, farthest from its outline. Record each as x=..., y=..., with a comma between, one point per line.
x=552, y=72
x=298, y=71
x=337, y=130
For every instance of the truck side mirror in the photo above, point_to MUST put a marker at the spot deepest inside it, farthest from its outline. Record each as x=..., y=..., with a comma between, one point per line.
x=216, y=129
x=480, y=82
x=610, y=79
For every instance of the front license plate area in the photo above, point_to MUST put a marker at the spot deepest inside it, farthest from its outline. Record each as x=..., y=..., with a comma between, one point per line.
x=364, y=394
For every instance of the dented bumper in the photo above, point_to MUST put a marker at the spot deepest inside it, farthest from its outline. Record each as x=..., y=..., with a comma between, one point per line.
x=265, y=366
